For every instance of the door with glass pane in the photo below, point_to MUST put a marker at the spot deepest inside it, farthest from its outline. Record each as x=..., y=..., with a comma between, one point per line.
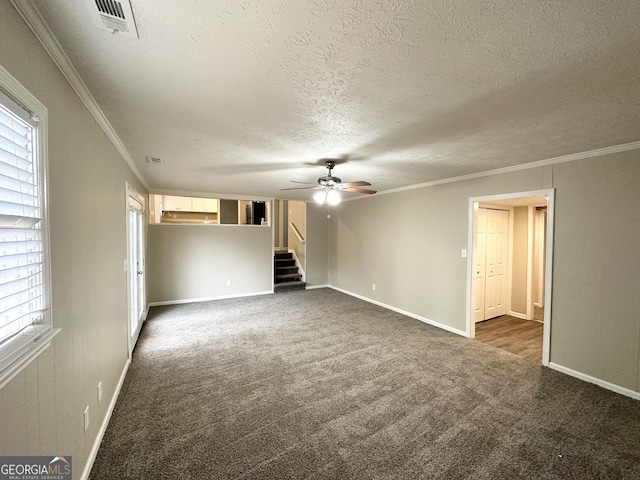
x=135, y=267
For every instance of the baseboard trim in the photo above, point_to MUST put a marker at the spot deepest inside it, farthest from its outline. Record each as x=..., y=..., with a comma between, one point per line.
x=105, y=422
x=314, y=287
x=602, y=383
x=208, y=299
x=522, y=316
x=403, y=312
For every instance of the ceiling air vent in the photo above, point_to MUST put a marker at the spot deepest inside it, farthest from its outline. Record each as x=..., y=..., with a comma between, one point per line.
x=153, y=160
x=117, y=17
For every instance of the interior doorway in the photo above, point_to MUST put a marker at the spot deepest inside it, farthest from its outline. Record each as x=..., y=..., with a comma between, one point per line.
x=135, y=264
x=510, y=237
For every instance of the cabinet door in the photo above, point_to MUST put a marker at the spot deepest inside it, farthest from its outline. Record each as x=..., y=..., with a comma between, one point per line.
x=176, y=204
x=209, y=205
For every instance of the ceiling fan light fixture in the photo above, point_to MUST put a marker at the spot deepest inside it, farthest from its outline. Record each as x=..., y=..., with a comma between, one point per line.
x=333, y=197
x=329, y=196
x=320, y=197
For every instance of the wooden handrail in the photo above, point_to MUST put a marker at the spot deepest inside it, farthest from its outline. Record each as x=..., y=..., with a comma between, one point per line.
x=296, y=231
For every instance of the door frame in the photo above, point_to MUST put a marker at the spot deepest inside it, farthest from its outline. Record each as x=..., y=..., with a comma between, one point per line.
x=132, y=337
x=473, y=201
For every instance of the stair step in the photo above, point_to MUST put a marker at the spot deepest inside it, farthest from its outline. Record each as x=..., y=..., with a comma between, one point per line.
x=286, y=262
x=287, y=277
x=284, y=270
x=283, y=255
x=286, y=286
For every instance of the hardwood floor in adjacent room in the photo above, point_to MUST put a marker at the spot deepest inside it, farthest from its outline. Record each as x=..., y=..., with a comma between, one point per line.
x=522, y=337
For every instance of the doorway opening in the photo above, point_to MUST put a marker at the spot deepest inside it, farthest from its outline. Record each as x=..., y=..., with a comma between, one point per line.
x=290, y=249
x=509, y=272
x=135, y=264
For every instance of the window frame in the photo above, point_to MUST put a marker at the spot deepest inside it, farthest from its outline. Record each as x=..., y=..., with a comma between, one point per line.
x=17, y=351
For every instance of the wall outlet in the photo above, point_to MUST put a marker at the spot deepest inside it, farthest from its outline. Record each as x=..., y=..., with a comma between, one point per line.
x=373, y=286
x=99, y=391
x=228, y=283
x=463, y=253
x=86, y=418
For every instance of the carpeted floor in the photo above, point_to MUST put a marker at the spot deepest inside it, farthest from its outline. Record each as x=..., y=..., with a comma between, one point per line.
x=316, y=384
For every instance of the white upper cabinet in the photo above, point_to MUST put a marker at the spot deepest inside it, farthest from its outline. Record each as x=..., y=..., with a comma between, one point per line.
x=176, y=204
x=189, y=204
x=204, y=205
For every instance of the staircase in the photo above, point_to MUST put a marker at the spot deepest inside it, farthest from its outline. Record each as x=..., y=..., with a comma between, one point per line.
x=287, y=276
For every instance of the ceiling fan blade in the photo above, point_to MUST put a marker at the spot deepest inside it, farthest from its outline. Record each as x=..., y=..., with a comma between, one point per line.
x=361, y=183
x=303, y=183
x=358, y=190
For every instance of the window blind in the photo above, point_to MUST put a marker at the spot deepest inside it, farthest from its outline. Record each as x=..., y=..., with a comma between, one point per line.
x=22, y=291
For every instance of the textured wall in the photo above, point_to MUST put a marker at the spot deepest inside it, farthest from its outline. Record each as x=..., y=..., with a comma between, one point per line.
x=317, y=244
x=41, y=410
x=408, y=243
x=519, y=272
x=187, y=262
x=597, y=268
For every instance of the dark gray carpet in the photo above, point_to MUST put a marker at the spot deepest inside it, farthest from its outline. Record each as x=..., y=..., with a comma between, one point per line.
x=316, y=384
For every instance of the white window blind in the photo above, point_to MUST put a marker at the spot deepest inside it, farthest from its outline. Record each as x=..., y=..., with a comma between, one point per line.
x=21, y=252
x=23, y=294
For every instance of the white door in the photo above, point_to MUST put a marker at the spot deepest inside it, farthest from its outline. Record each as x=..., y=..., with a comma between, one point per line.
x=479, y=258
x=135, y=264
x=490, y=263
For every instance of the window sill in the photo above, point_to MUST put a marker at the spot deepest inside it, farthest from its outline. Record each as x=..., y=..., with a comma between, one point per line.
x=21, y=351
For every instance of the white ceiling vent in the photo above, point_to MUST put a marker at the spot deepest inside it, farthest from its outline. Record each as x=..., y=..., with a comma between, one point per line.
x=153, y=160
x=117, y=17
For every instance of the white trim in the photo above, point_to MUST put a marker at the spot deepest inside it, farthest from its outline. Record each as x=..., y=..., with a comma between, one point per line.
x=550, y=194
x=625, y=147
x=602, y=383
x=25, y=358
x=105, y=422
x=208, y=299
x=548, y=277
x=315, y=287
x=23, y=351
x=40, y=29
x=403, y=312
x=521, y=316
x=131, y=192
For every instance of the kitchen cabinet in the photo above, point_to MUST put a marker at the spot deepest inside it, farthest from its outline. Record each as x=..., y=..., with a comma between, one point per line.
x=209, y=205
x=176, y=204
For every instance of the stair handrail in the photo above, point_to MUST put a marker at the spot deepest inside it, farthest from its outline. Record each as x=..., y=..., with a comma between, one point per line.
x=296, y=231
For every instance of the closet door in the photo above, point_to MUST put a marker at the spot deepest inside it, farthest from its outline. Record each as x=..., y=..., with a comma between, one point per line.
x=490, y=263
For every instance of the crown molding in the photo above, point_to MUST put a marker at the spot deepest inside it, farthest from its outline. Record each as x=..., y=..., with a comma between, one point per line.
x=625, y=147
x=40, y=29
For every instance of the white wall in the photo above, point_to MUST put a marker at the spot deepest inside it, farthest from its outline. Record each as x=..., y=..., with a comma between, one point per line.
x=41, y=410
x=317, y=244
x=408, y=243
x=189, y=262
x=297, y=215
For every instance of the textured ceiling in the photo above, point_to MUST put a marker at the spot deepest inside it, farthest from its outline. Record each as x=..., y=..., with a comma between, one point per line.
x=240, y=97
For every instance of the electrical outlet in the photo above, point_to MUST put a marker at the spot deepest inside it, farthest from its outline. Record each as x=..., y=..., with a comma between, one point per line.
x=99, y=391
x=228, y=283
x=373, y=286
x=463, y=253
x=86, y=418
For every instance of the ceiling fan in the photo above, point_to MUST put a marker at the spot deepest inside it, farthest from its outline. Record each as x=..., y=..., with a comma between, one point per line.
x=329, y=186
